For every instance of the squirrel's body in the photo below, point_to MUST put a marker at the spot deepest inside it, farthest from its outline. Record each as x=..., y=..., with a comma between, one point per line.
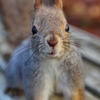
x=51, y=63
x=57, y=75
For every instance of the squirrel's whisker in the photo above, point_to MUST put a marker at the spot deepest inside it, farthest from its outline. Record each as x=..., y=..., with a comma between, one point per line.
x=17, y=57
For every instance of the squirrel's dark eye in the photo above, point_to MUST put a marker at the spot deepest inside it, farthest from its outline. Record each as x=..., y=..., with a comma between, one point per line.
x=67, y=28
x=34, y=30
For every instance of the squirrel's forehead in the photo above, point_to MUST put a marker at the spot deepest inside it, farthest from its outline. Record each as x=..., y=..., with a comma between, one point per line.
x=49, y=21
x=50, y=16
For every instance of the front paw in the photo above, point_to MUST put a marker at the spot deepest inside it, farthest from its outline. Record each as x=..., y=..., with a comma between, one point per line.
x=14, y=92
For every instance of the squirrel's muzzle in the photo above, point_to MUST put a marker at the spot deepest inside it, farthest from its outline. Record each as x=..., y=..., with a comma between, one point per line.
x=52, y=40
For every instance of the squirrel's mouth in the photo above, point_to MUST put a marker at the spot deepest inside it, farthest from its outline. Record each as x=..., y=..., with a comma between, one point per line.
x=52, y=53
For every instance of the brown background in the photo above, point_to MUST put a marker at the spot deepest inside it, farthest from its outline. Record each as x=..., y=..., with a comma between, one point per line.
x=17, y=16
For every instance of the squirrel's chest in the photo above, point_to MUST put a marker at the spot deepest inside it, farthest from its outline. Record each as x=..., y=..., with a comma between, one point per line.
x=55, y=77
x=51, y=68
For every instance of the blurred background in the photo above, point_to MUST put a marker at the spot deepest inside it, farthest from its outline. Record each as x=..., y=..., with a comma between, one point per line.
x=84, y=19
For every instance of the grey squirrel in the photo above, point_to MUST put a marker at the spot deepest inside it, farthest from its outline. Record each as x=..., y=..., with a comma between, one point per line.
x=48, y=62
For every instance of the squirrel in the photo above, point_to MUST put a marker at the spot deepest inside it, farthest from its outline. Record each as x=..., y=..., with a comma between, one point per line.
x=47, y=62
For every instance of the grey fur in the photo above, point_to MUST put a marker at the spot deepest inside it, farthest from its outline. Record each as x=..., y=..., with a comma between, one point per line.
x=43, y=74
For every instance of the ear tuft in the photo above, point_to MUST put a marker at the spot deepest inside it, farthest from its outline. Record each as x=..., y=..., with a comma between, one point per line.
x=50, y=3
x=37, y=4
x=58, y=4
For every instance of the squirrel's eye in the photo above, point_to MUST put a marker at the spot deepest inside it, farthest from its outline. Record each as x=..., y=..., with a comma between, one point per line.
x=34, y=30
x=67, y=28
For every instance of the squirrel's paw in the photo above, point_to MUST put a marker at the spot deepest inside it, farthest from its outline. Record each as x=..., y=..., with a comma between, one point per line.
x=14, y=92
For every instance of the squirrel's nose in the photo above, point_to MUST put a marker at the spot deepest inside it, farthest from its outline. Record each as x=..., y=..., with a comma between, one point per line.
x=52, y=42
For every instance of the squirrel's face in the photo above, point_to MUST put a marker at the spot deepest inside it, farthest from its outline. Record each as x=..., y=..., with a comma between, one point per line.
x=50, y=32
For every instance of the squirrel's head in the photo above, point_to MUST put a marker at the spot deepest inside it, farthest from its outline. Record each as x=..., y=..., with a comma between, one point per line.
x=50, y=28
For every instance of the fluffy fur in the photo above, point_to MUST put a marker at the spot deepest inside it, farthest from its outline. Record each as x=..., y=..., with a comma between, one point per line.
x=41, y=72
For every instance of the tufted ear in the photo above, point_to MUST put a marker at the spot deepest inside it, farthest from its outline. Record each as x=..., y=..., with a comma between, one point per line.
x=58, y=3
x=37, y=4
x=50, y=3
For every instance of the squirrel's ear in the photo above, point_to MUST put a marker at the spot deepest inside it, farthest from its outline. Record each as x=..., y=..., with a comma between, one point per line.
x=56, y=3
x=37, y=4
